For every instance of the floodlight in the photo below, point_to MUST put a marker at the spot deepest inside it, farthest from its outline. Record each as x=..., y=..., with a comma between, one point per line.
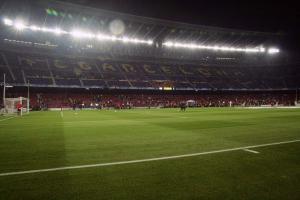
x=193, y=46
x=262, y=49
x=76, y=33
x=136, y=41
x=34, y=28
x=113, y=38
x=168, y=44
x=273, y=50
x=19, y=26
x=219, y=48
x=216, y=48
x=8, y=22
x=106, y=37
x=44, y=29
x=82, y=34
x=100, y=37
x=251, y=50
x=176, y=44
x=125, y=39
x=58, y=31
x=150, y=42
x=90, y=35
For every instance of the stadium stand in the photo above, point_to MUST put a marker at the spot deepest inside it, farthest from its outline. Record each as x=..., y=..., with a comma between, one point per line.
x=41, y=70
x=44, y=98
x=138, y=71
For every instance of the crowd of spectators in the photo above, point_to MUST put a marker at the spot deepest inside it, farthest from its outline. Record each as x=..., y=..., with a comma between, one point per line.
x=167, y=100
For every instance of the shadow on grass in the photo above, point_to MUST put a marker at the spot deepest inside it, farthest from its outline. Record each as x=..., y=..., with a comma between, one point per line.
x=28, y=143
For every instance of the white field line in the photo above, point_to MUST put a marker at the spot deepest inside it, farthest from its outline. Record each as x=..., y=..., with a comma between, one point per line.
x=61, y=114
x=261, y=107
x=251, y=151
x=6, y=119
x=143, y=160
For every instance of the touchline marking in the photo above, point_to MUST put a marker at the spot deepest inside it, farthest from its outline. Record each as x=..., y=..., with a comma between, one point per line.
x=251, y=151
x=143, y=160
x=6, y=119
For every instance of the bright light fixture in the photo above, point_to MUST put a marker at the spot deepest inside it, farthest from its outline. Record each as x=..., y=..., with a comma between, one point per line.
x=34, y=28
x=19, y=26
x=58, y=31
x=77, y=33
x=171, y=44
x=125, y=39
x=82, y=34
x=150, y=42
x=44, y=29
x=273, y=50
x=8, y=22
x=262, y=49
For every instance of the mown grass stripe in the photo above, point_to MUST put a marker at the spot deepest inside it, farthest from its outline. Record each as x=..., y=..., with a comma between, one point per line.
x=144, y=160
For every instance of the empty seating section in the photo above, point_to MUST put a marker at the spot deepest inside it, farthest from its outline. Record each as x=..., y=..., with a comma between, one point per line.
x=40, y=81
x=67, y=82
x=4, y=70
x=70, y=71
x=94, y=82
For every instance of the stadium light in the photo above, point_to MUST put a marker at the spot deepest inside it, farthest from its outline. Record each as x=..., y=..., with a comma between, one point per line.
x=104, y=37
x=262, y=49
x=8, y=22
x=34, y=28
x=125, y=39
x=171, y=44
x=113, y=38
x=149, y=42
x=273, y=50
x=58, y=31
x=76, y=33
x=82, y=34
x=19, y=25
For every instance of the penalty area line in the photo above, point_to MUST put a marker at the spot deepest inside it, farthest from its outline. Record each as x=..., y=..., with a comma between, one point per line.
x=144, y=160
x=7, y=119
x=251, y=151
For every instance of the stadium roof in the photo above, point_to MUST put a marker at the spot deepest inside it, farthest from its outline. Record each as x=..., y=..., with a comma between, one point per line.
x=155, y=29
x=67, y=16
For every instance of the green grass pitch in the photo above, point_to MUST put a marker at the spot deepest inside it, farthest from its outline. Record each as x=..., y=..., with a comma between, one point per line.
x=44, y=140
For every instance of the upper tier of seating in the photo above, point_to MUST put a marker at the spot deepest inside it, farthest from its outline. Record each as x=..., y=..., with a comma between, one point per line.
x=67, y=71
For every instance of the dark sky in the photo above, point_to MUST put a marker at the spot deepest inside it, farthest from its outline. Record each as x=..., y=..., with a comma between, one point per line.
x=283, y=16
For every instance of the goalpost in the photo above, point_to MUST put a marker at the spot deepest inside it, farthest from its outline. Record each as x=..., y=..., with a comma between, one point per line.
x=13, y=106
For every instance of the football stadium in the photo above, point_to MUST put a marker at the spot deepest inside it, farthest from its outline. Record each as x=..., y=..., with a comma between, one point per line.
x=103, y=104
